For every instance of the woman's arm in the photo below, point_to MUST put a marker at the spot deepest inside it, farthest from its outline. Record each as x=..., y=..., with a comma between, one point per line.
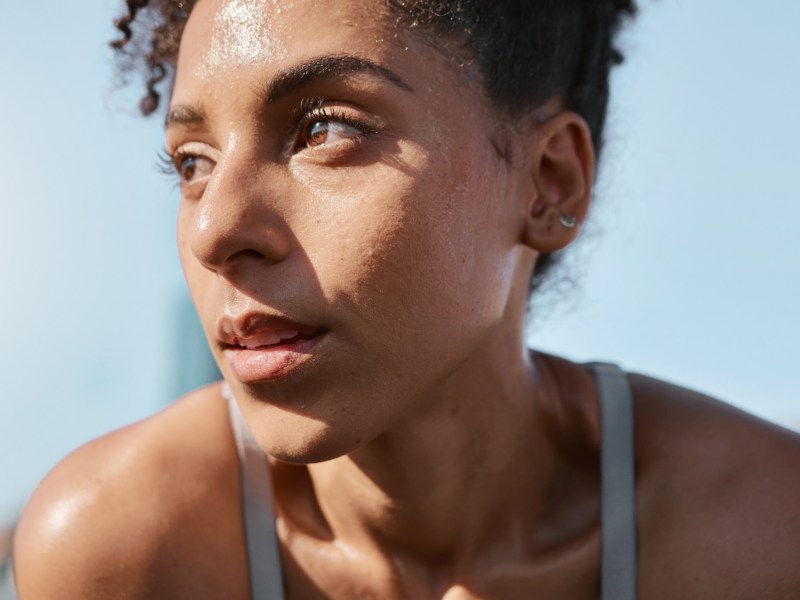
x=150, y=511
x=86, y=534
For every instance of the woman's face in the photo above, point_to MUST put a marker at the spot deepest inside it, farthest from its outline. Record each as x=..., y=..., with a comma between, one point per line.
x=347, y=228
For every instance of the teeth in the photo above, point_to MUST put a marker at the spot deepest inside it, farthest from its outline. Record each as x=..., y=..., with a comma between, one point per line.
x=266, y=339
x=270, y=338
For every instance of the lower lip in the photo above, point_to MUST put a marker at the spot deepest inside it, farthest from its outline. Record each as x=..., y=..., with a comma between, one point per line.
x=271, y=362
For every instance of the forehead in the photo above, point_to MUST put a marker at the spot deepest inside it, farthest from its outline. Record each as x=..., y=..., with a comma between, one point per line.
x=226, y=35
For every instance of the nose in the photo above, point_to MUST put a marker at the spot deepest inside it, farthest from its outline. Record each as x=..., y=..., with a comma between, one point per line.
x=239, y=219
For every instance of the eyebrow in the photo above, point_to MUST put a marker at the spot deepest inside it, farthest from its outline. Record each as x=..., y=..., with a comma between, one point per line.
x=295, y=77
x=183, y=114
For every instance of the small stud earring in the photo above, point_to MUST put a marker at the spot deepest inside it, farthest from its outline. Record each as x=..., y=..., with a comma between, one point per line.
x=568, y=221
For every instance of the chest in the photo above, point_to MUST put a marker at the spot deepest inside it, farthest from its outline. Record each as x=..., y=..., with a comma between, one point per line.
x=572, y=572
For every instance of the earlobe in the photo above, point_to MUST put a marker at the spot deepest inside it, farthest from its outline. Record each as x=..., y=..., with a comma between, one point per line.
x=561, y=171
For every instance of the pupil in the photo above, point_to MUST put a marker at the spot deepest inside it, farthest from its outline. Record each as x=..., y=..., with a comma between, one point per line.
x=318, y=132
x=188, y=168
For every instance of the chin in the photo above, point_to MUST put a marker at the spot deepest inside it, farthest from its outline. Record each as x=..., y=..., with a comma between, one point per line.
x=305, y=424
x=301, y=440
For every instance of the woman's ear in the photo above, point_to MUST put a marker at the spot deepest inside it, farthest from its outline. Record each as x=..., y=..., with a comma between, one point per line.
x=560, y=164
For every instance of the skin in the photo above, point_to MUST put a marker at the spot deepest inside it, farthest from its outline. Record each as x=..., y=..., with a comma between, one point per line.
x=422, y=452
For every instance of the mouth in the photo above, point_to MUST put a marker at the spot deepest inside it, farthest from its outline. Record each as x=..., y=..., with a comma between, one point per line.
x=261, y=348
x=273, y=340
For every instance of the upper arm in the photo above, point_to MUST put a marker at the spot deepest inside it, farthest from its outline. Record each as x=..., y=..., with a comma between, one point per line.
x=56, y=561
x=150, y=511
x=718, y=498
x=76, y=538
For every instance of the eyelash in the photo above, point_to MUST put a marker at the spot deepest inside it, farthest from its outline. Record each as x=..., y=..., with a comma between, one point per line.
x=308, y=112
x=167, y=164
x=313, y=110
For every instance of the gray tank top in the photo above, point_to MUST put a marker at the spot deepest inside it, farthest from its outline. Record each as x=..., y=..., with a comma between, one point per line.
x=618, y=504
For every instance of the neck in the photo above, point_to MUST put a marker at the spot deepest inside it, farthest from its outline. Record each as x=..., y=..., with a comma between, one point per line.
x=471, y=466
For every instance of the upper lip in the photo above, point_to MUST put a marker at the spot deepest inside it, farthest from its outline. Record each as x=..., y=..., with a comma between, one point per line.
x=254, y=330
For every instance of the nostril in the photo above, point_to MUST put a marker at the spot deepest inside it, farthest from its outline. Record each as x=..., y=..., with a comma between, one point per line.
x=246, y=253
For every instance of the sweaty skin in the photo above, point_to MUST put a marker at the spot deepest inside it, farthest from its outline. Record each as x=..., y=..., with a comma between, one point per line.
x=241, y=36
x=341, y=182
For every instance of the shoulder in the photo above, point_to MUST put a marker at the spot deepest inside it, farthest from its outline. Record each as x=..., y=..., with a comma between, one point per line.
x=678, y=428
x=683, y=435
x=129, y=513
x=718, y=496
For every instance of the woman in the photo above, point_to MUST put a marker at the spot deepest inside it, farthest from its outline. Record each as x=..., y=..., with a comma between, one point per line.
x=369, y=187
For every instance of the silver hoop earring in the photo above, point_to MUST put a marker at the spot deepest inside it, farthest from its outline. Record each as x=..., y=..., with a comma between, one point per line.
x=568, y=221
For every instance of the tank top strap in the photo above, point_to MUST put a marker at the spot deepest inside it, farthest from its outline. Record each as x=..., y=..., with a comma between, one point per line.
x=618, y=504
x=263, y=556
x=618, y=486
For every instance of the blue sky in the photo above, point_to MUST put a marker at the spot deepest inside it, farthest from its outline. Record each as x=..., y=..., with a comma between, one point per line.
x=689, y=269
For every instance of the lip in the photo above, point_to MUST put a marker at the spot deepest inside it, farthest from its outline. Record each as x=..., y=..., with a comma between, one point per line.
x=262, y=347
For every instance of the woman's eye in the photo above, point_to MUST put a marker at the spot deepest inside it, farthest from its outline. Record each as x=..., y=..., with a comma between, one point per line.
x=191, y=167
x=322, y=132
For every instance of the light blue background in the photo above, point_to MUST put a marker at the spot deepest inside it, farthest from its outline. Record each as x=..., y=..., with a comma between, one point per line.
x=688, y=271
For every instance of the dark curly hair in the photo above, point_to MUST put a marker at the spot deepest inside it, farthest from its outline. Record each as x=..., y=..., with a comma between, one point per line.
x=527, y=51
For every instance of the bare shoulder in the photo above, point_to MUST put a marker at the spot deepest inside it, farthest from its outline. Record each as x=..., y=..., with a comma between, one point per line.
x=718, y=495
x=147, y=511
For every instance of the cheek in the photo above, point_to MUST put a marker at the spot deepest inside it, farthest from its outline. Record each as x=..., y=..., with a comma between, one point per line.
x=471, y=228
x=199, y=280
x=184, y=252
x=354, y=228
x=423, y=246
